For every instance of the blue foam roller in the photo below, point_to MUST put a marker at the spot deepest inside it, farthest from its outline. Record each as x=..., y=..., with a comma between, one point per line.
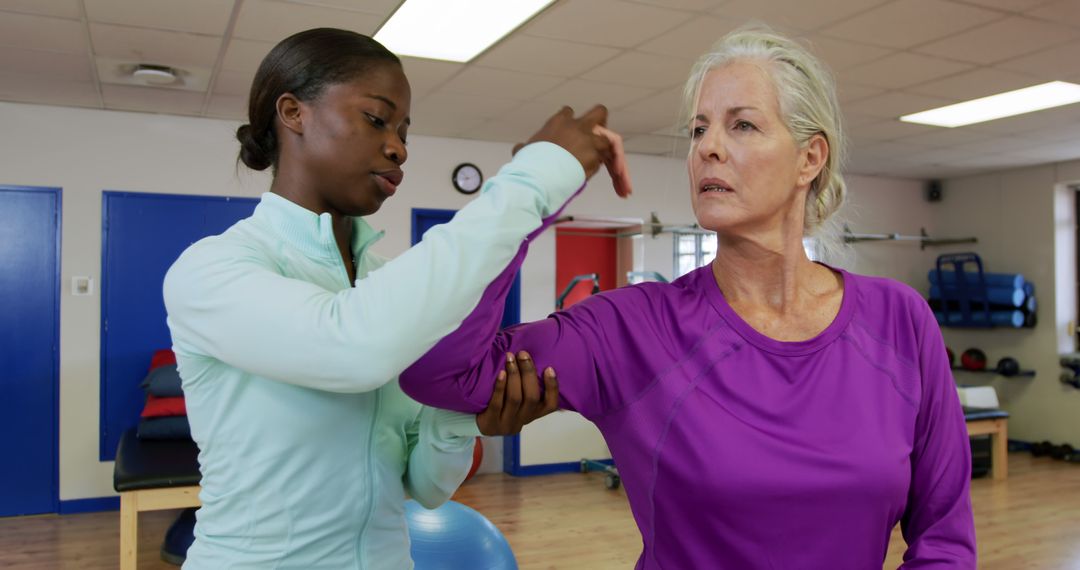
x=1004, y=280
x=1029, y=304
x=996, y=296
x=455, y=537
x=1029, y=288
x=1013, y=319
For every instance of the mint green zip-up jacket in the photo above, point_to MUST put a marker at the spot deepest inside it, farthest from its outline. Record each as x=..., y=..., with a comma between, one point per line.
x=306, y=444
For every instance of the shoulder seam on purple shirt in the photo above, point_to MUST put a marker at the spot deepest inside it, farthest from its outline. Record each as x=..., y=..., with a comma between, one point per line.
x=896, y=383
x=663, y=435
x=659, y=377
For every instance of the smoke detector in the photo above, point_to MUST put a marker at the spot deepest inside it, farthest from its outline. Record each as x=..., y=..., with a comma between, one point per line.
x=155, y=75
x=152, y=75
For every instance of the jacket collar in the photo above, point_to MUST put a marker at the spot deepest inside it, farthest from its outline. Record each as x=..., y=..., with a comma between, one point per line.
x=311, y=233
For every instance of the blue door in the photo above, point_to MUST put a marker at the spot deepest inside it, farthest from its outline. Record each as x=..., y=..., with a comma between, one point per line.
x=425, y=219
x=142, y=235
x=29, y=348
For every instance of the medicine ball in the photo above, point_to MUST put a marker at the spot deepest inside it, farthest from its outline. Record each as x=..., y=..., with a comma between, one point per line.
x=973, y=359
x=1008, y=366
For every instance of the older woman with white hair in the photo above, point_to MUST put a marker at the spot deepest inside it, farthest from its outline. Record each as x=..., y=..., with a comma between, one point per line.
x=765, y=411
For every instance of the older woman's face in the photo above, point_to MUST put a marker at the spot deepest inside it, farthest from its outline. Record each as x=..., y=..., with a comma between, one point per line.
x=743, y=163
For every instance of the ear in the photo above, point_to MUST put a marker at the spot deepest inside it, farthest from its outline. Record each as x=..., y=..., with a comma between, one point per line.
x=814, y=156
x=288, y=112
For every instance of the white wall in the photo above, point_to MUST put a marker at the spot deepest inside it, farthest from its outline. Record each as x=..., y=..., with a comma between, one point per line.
x=1024, y=222
x=87, y=151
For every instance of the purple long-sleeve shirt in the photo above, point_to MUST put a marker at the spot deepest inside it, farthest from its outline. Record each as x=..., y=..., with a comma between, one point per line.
x=737, y=450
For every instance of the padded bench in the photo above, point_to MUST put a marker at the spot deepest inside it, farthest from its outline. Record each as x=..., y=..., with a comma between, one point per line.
x=152, y=476
x=995, y=423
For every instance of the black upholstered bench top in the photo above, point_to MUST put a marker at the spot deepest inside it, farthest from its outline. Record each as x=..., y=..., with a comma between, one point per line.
x=972, y=414
x=154, y=464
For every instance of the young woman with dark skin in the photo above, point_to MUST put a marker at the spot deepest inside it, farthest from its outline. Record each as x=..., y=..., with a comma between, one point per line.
x=290, y=333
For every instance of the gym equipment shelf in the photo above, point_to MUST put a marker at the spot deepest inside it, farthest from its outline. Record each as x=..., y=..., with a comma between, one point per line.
x=1022, y=373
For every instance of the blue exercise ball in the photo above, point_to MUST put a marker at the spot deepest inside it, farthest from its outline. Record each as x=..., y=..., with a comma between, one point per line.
x=455, y=537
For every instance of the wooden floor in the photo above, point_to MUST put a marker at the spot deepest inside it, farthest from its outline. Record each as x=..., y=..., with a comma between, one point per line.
x=571, y=521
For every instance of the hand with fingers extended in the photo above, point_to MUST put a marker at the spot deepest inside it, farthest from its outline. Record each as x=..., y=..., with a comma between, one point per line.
x=590, y=141
x=516, y=399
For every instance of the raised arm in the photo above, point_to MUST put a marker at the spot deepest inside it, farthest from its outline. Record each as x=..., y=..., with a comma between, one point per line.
x=227, y=303
x=938, y=525
x=604, y=350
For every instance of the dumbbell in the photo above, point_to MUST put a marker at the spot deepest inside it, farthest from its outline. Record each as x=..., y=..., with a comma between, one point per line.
x=1071, y=379
x=1042, y=448
x=1062, y=451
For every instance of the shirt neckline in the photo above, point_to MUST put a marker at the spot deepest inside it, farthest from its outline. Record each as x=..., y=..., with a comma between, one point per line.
x=789, y=348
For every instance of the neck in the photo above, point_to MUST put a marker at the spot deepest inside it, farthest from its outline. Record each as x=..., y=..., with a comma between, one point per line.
x=769, y=270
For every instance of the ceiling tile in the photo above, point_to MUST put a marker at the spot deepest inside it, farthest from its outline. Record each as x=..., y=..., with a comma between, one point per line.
x=625, y=24
x=69, y=66
x=1031, y=122
x=1055, y=63
x=208, y=17
x=985, y=45
x=998, y=144
x=982, y=82
x=529, y=116
x=887, y=130
x=642, y=70
x=150, y=100
x=1060, y=11
x=893, y=104
x=499, y=130
x=41, y=33
x=227, y=107
x=902, y=70
x=657, y=144
x=795, y=14
x=1062, y=132
x=56, y=8
x=660, y=111
x=847, y=91
x=380, y=7
x=947, y=138
x=233, y=83
x=546, y=56
x=840, y=55
x=445, y=124
x=154, y=46
x=510, y=84
x=1010, y=5
x=940, y=156
x=245, y=56
x=581, y=94
x=888, y=149
x=44, y=90
x=690, y=40
x=427, y=74
x=687, y=5
x=908, y=23
x=268, y=21
x=444, y=103
x=1057, y=152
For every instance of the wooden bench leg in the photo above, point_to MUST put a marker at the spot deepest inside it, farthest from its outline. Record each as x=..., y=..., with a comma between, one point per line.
x=129, y=530
x=999, y=454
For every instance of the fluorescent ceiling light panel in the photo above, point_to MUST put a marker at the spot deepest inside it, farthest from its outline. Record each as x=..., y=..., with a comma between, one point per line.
x=1026, y=100
x=454, y=30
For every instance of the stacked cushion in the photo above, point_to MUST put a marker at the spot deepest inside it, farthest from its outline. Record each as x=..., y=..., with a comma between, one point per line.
x=165, y=415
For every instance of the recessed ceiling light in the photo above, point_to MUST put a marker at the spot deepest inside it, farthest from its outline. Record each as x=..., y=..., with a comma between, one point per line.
x=454, y=30
x=155, y=74
x=1026, y=100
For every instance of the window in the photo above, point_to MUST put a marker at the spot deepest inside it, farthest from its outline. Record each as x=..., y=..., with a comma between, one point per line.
x=693, y=250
